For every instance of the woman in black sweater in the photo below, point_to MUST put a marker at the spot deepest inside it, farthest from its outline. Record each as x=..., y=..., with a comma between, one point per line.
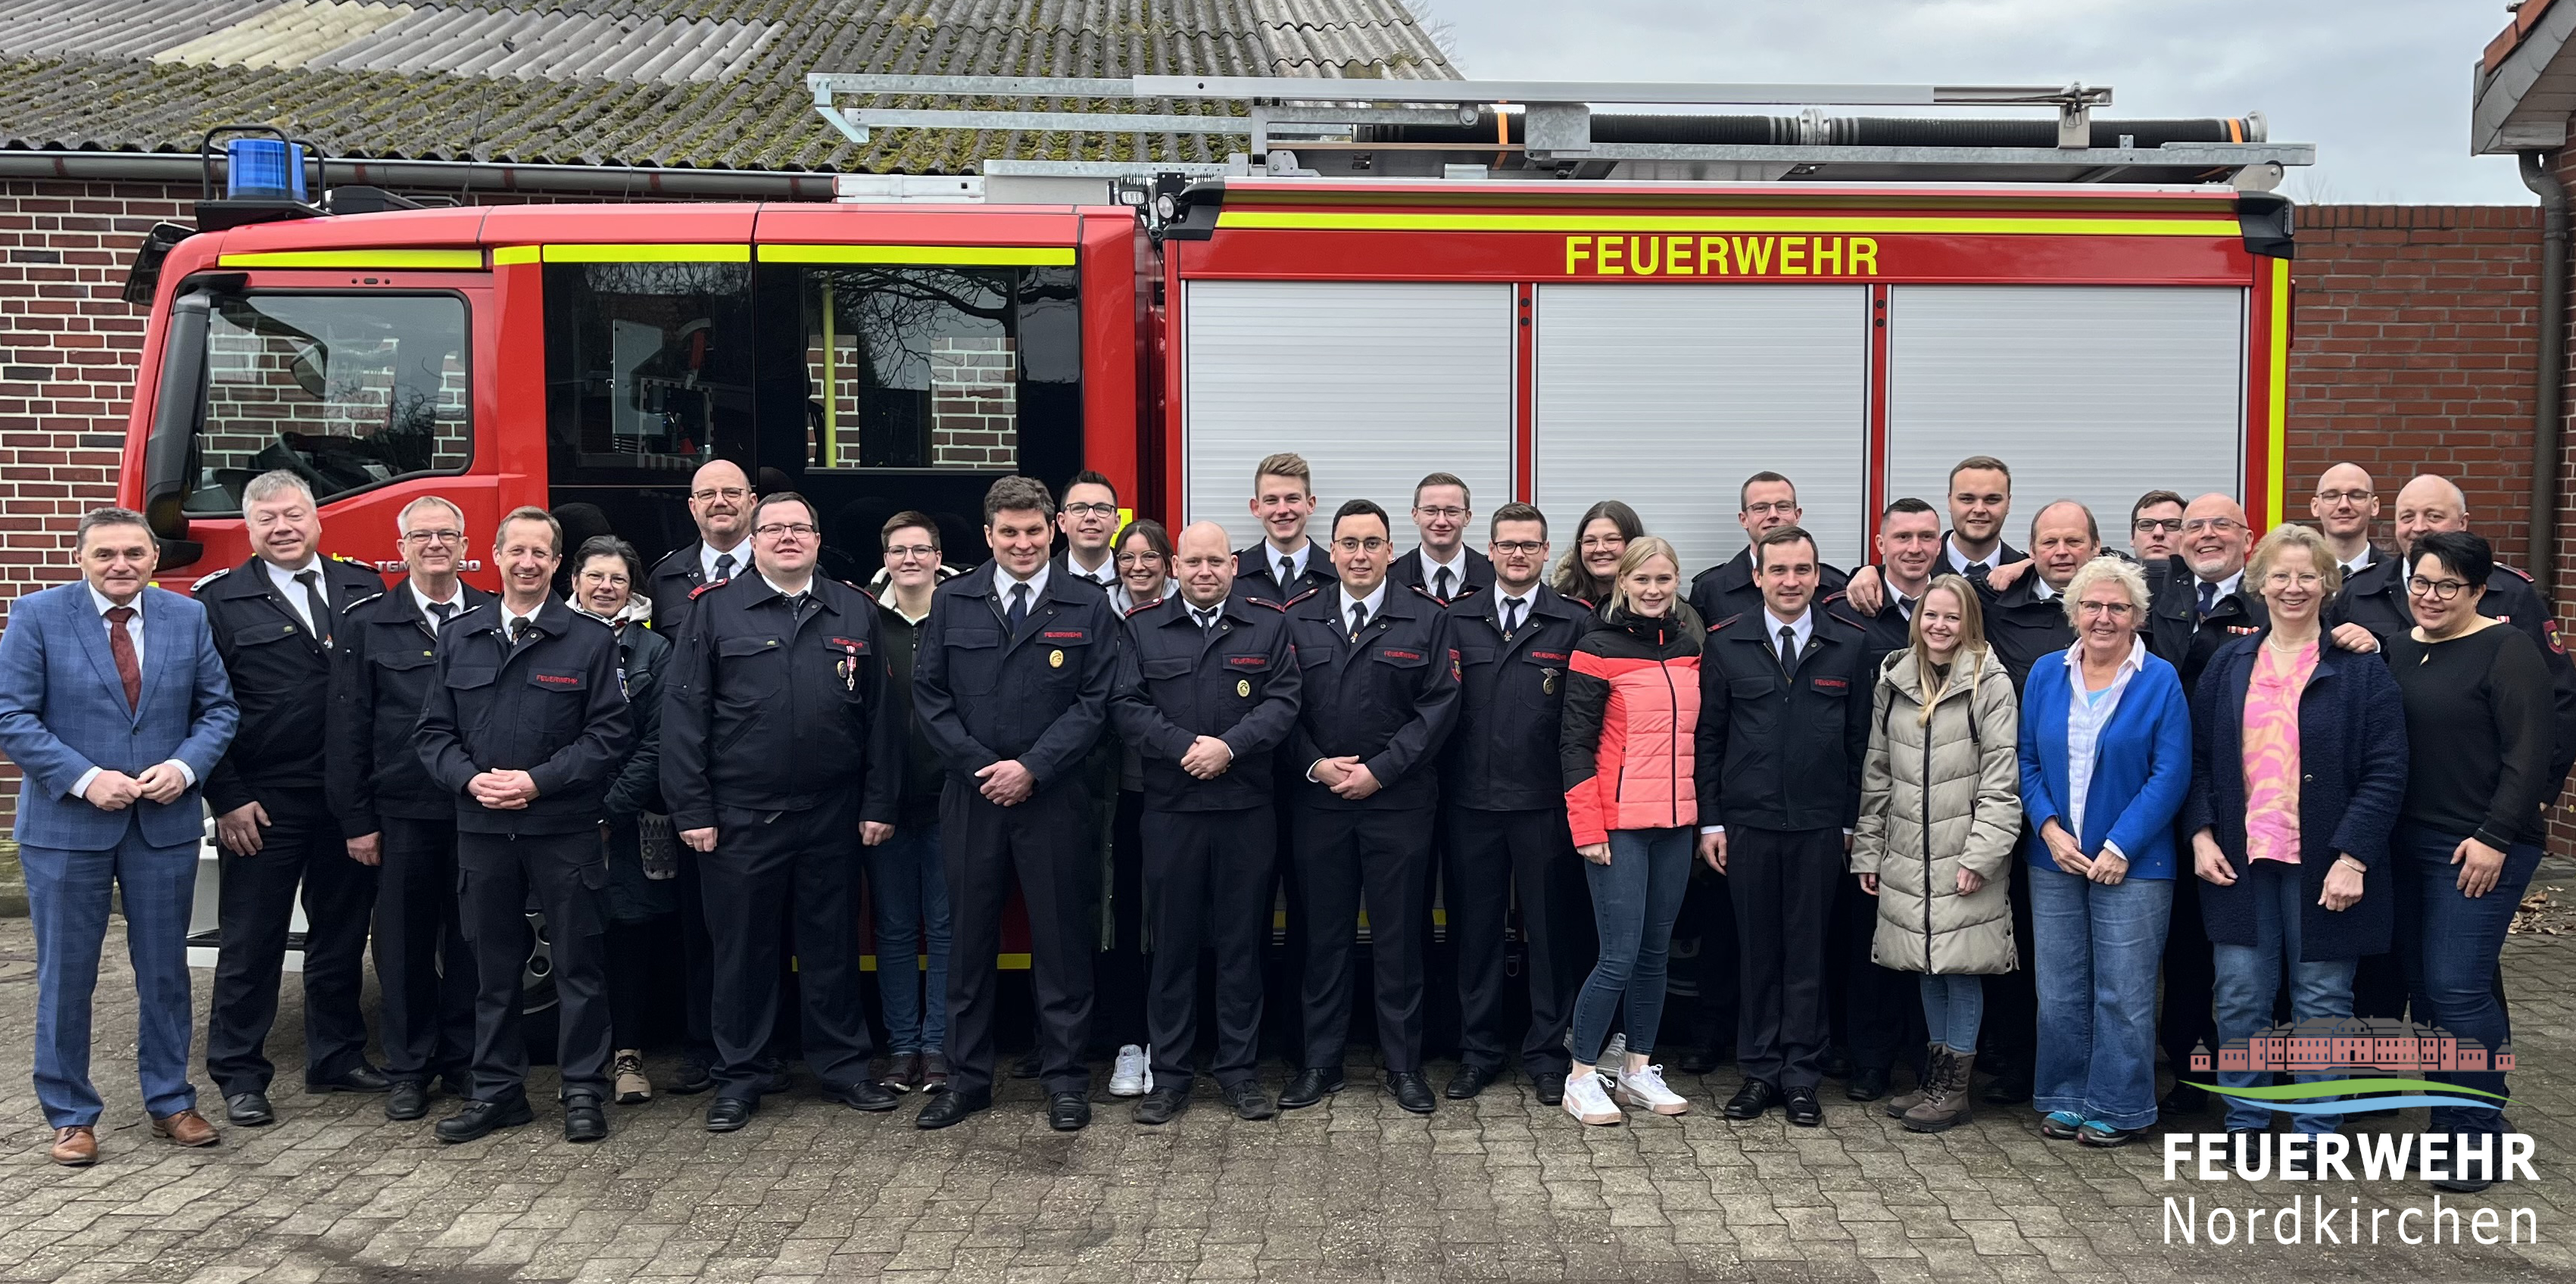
x=2478, y=727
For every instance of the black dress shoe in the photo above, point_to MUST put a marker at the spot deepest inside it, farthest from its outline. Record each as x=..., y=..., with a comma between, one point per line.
x=249, y=1109
x=482, y=1118
x=2011, y=1088
x=1802, y=1107
x=729, y=1114
x=1412, y=1091
x=408, y=1100
x=1470, y=1080
x=584, y=1120
x=689, y=1078
x=1550, y=1089
x=358, y=1078
x=1246, y=1099
x=867, y=1095
x=774, y=1075
x=951, y=1107
x=1866, y=1084
x=1702, y=1060
x=1162, y=1105
x=1069, y=1111
x=2183, y=1100
x=1751, y=1100
x=1309, y=1087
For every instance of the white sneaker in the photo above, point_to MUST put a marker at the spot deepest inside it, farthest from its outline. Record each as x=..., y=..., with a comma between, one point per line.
x=1134, y=1075
x=1646, y=1088
x=1587, y=1100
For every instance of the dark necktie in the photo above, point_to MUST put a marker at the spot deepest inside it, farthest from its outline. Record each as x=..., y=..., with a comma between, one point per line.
x=315, y=606
x=1788, y=649
x=120, y=643
x=1359, y=617
x=1206, y=619
x=1287, y=572
x=796, y=606
x=521, y=627
x=2208, y=599
x=1977, y=572
x=1904, y=607
x=1511, y=617
x=1019, y=612
x=724, y=568
x=1440, y=585
x=445, y=611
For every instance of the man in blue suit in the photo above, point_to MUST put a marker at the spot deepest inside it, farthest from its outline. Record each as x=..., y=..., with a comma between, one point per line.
x=115, y=705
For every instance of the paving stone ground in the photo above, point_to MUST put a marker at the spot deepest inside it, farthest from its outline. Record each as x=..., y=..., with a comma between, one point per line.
x=1499, y=1189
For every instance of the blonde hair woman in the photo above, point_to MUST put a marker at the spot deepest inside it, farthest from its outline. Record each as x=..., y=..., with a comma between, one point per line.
x=1940, y=811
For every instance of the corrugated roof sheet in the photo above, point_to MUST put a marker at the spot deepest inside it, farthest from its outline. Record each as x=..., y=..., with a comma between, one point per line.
x=647, y=82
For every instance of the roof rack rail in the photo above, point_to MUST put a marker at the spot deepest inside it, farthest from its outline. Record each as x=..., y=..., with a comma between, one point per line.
x=1418, y=129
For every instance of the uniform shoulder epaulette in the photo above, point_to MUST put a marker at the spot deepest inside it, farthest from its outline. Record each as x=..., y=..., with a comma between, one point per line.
x=1299, y=598
x=1846, y=621
x=1468, y=591
x=363, y=601
x=1585, y=603
x=209, y=578
x=701, y=589
x=1838, y=595
x=1263, y=601
x=1141, y=607
x=1423, y=593
x=2526, y=575
x=1727, y=621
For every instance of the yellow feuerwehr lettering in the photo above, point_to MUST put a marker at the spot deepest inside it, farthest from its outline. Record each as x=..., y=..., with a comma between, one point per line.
x=1578, y=249
x=1610, y=248
x=1644, y=253
x=1793, y=256
x=1864, y=256
x=1677, y=256
x=1712, y=257
x=1753, y=254
x=1829, y=255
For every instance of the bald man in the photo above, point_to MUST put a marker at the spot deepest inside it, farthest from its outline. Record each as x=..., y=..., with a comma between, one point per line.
x=720, y=503
x=2345, y=505
x=1207, y=688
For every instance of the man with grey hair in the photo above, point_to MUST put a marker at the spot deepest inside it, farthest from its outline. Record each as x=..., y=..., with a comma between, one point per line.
x=277, y=619
x=394, y=817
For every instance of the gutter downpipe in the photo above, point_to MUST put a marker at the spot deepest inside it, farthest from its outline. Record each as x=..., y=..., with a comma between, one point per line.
x=2539, y=173
x=431, y=177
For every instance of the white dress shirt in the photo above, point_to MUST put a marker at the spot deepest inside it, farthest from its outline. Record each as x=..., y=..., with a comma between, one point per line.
x=2226, y=586
x=1457, y=568
x=2087, y=712
x=293, y=592
x=707, y=555
x=1271, y=555
x=1105, y=576
x=133, y=629
x=1505, y=606
x=2039, y=589
x=1003, y=582
x=1345, y=602
x=424, y=601
x=510, y=617
x=1961, y=562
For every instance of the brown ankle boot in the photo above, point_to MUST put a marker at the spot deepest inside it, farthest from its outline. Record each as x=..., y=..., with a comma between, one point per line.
x=1935, y=1055
x=1945, y=1103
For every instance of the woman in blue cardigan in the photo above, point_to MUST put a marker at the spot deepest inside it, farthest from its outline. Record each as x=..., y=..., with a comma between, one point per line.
x=2298, y=772
x=2105, y=764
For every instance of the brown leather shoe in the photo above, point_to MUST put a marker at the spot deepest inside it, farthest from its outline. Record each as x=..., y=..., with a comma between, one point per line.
x=76, y=1146
x=186, y=1128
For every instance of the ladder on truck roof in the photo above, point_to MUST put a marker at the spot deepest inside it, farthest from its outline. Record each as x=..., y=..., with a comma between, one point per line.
x=1515, y=129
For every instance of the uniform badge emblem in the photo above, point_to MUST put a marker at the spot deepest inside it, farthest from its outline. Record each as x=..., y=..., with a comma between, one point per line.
x=1243, y=687
x=1547, y=682
x=1055, y=659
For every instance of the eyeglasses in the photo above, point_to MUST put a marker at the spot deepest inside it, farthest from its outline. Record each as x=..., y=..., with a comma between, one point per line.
x=1604, y=541
x=2284, y=579
x=911, y=551
x=2438, y=590
x=1519, y=547
x=2353, y=497
x=734, y=493
x=2116, y=610
x=1442, y=514
x=603, y=577
x=1784, y=508
x=2166, y=524
x=1355, y=545
x=442, y=535
x=1139, y=559
x=1091, y=510
x=775, y=530
x=2222, y=525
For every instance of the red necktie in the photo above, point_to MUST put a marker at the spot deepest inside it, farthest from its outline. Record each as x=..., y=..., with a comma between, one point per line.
x=120, y=643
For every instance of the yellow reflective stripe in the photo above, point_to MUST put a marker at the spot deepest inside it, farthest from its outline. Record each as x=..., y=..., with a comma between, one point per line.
x=676, y=253
x=942, y=255
x=470, y=260
x=1309, y=221
x=508, y=255
x=2279, y=343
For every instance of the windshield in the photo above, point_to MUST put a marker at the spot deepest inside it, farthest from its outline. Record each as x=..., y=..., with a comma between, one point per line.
x=347, y=390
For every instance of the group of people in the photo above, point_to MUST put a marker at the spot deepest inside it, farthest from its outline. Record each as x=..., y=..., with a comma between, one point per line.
x=2250, y=763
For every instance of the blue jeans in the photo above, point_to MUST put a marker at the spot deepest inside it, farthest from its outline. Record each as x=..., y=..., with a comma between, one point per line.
x=67, y=895
x=909, y=896
x=2094, y=951
x=1634, y=901
x=1954, y=1005
x=2448, y=945
x=2249, y=978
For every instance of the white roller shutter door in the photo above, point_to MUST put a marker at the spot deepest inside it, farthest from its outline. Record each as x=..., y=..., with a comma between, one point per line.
x=1376, y=384
x=2093, y=393
x=1669, y=396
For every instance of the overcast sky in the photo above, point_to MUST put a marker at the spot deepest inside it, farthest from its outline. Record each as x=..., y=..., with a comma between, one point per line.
x=2380, y=86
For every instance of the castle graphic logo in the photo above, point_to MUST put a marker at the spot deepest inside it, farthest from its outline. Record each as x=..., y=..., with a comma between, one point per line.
x=2389, y=1056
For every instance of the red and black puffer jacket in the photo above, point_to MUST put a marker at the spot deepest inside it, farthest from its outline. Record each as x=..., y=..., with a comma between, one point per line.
x=1631, y=718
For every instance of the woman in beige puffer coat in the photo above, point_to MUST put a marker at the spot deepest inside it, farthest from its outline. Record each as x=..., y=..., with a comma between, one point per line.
x=1939, y=820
